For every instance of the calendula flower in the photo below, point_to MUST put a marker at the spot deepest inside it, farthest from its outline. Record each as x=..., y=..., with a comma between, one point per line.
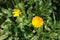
x=37, y=21
x=16, y=12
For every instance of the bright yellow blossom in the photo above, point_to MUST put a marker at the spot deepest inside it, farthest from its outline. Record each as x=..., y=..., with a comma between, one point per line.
x=16, y=12
x=37, y=21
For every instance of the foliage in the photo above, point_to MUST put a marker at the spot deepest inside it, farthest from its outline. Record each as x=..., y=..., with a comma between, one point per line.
x=20, y=28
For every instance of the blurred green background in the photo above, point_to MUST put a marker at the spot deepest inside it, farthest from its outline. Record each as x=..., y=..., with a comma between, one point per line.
x=20, y=28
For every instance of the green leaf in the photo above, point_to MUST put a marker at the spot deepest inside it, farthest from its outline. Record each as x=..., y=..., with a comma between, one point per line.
x=6, y=11
x=4, y=36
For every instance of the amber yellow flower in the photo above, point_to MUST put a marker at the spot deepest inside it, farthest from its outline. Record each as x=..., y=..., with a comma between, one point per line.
x=37, y=21
x=16, y=12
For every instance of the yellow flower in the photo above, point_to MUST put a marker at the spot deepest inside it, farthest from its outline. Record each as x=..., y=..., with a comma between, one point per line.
x=37, y=21
x=16, y=12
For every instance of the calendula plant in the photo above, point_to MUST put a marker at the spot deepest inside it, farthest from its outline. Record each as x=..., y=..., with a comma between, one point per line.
x=28, y=20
